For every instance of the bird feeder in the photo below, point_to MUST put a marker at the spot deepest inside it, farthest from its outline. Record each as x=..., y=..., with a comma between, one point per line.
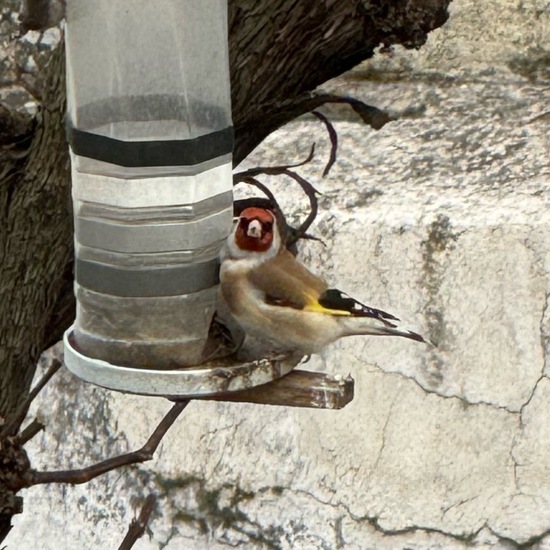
x=150, y=134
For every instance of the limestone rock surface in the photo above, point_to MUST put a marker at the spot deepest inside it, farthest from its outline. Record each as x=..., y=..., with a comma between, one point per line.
x=442, y=218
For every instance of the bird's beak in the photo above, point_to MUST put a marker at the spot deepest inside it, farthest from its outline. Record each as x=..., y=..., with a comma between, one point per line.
x=254, y=229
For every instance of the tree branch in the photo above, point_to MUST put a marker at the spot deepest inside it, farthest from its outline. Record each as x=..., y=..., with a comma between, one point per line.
x=333, y=136
x=255, y=131
x=271, y=170
x=311, y=193
x=291, y=235
x=14, y=423
x=30, y=431
x=84, y=475
x=137, y=527
x=372, y=116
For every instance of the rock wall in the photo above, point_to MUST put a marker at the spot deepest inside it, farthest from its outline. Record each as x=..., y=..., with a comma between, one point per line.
x=442, y=218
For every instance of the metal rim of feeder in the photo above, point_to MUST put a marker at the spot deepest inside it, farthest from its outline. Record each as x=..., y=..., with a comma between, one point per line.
x=181, y=383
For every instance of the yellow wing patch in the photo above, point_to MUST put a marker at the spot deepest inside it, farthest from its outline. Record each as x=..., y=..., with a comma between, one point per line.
x=314, y=306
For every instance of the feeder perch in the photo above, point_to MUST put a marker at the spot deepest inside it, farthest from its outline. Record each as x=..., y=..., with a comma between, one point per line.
x=151, y=137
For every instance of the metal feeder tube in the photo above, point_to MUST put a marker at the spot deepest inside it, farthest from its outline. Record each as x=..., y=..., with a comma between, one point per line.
x=151, y=137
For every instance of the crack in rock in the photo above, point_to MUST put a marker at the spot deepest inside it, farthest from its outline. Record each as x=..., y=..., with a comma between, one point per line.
x=545, y=342
x=374, y=521
x=545, y=332
x=524, y=405
x=459, y=398
x=383, y=436
x=526, y=545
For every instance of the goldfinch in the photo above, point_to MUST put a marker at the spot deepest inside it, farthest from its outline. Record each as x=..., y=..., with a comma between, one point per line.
x=277, y=300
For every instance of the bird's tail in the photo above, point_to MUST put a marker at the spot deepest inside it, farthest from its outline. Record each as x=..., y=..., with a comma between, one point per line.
x=355, y=326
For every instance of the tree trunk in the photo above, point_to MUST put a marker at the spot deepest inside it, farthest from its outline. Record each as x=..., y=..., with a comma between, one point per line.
x=280, y=50
x=35, y=242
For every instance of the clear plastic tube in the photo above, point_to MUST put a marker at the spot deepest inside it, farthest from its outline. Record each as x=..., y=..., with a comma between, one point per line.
x=151, y=138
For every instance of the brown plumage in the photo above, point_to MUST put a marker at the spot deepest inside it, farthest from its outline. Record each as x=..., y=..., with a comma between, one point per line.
x=286, y=282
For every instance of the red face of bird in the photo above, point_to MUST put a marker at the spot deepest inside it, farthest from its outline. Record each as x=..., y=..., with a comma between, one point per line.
x=256, y=230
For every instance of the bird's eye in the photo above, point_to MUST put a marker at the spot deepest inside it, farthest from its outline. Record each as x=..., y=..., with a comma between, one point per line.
x=268, y=226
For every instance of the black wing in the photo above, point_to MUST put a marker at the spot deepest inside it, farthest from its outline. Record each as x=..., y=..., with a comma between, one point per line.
x=338, y=300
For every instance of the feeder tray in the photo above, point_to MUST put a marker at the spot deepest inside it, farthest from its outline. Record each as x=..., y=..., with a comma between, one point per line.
x=263, y=381
x=298, y=388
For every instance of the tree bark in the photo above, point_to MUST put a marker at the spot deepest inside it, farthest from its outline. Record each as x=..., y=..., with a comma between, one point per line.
x=35, y=241
x=280, y=51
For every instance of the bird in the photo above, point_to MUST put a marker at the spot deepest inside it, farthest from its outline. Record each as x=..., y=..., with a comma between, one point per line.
x=277, y=300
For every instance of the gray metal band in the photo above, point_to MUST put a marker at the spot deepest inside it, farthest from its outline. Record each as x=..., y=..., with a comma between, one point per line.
x=85, y=140
x=153, y=237
x=146, y=282
x=170, y=152
x=159, y=260
x=176, y=213
x=94, y=166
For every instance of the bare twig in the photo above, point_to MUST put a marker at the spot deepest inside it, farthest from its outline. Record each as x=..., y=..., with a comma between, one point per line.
x=271, y=170
x=137, y=526
x=30, y=431
x=311, y=193
x=84, y=475
x=289, y=234
x=258, y=202
x=15, y=421
x=269, y=203
x=333, y=136
x=292, y=235
x=298, y=106
x=253, y=181
x=374, y=117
